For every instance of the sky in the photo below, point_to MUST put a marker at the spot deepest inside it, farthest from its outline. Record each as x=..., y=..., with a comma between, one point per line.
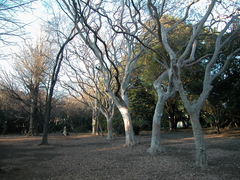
x=33, y=19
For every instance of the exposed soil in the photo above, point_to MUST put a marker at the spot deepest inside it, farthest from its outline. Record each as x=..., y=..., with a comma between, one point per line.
x=88, y=157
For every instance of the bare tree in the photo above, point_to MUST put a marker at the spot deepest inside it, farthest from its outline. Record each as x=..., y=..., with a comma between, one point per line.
x=54, y=78
x=132, y=19
x=204, y=22
x=29, y=70
x=221, y=43
x=31, y=66
x=115, y=51
x=84, y=81
x=11, y=27
x=13, y=107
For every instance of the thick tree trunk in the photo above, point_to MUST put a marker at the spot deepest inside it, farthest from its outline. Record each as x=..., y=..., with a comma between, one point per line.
x=156, y=146
x=129, y=133
x=33, y=113
x=123, y=109
x=163, y=96
x=201, y=157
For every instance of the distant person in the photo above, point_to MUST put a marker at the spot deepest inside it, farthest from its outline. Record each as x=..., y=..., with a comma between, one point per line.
x=5, y=128
x=65, y=131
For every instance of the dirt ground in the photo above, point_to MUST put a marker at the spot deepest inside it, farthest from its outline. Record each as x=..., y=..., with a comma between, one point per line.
x=85, y=157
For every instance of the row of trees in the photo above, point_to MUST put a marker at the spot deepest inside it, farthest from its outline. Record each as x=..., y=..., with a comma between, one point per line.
x=110, y=56
x=130, y=35
x=16, y=115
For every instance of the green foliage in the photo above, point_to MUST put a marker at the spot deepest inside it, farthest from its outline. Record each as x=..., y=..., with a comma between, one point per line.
x=148, y=70
x=192, y=78
x=142, y=104
x=118, y=125
x=225, y=99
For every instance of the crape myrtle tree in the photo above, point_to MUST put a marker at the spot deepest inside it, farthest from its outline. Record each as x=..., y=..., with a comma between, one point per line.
x=199, y=16
x=221, y=43
x=175, y=58
x=150, y=38
x=115, y=51
x=149, y=69
x=85, y=84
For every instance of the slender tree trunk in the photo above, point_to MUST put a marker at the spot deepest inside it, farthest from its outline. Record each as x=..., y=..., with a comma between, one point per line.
x=172, y=122
x=95, y=115
x=54, y=79
x=217, y=125
x=109, y=128
x=47, y=115
x=156, y=146
x=100, y=131
x=31, y=120
x=201, y=158
x=5, y=126
x=46, y=123
x=94, y=122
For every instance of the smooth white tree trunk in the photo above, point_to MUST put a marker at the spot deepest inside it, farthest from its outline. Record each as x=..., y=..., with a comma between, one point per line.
x=94, y=122
x=108, y=112
x=163, y=95
x=156, y=146
x=109, y=128
x=123, y=109
x=129, y=133
x=193, y=108
x=201, y=157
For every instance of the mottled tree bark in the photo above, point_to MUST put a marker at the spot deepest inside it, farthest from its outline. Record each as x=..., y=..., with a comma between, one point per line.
x=201, y=157
x=129, y=133
x=156, y=146
x=109, y=128
x=164, y=93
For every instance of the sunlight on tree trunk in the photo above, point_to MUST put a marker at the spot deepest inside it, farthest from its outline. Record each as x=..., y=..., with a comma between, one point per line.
x=129, y=133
